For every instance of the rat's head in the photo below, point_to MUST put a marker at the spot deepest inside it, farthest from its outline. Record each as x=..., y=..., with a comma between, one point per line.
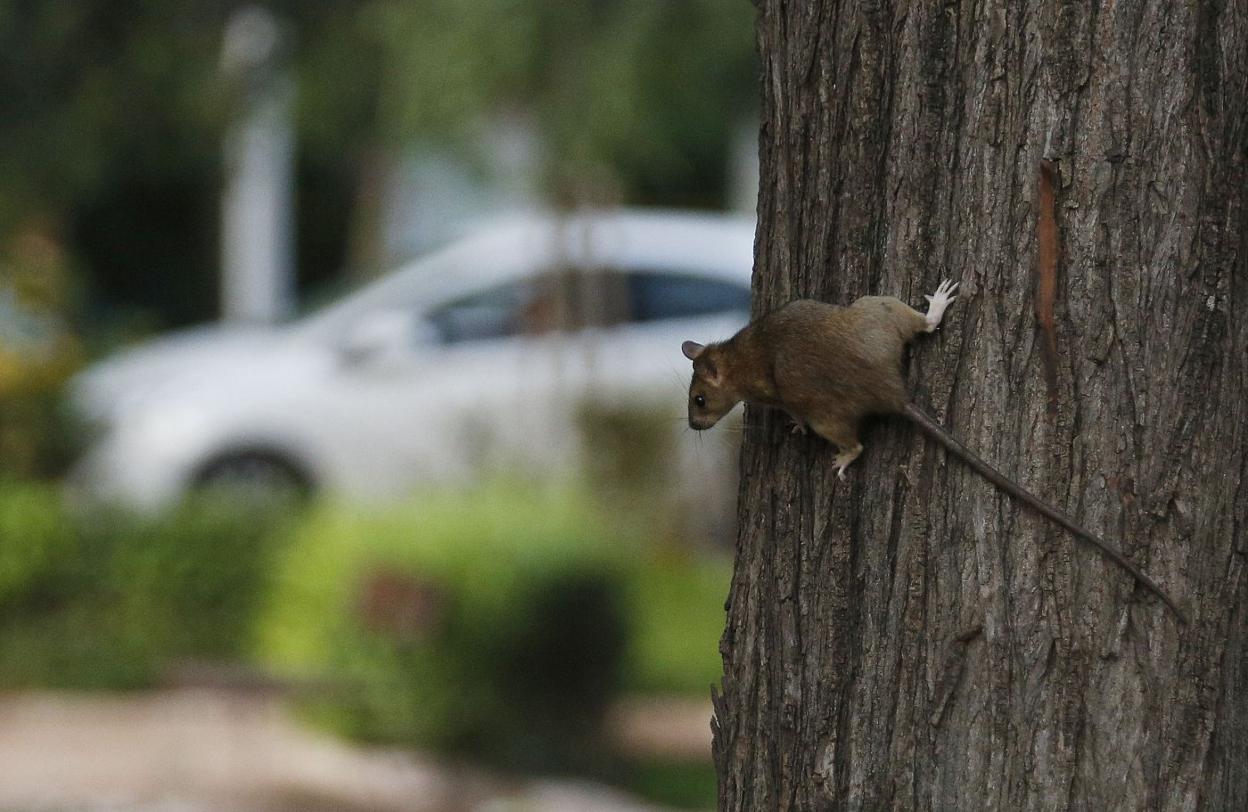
x=710, y=396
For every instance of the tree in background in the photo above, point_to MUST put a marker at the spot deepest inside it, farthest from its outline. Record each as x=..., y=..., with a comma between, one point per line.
x=650, y=89
x=910, y=638
x=114, y=113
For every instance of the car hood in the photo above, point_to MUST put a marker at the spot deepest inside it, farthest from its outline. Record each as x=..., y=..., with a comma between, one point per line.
x=182, y=364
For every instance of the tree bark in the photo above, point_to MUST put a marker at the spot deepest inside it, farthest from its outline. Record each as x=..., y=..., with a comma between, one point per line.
x=910, y=638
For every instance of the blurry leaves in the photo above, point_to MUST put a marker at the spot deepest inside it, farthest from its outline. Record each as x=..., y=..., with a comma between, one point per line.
x=34, y=535
x=499, y=623
x=38, y=352
x=90, y=91
x=76, y=78
x=112, y=114
x=109, y=600
x=111, y=127
x=450, y=61
x=650, y=89
x=492, y=622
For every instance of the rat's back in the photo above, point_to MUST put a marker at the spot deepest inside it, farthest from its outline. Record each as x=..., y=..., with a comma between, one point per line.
x=886, y=324
x=847, y=358
x=874, y=328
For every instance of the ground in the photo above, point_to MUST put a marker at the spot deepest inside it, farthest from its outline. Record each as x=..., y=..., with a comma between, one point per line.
x=202, y=749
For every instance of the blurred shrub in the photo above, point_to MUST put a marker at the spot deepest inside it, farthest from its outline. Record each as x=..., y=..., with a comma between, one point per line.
x=676, y=784
x=639, y=464
x=109, y=600
x=491, y=623
x=38, y=353
x=678, y=612
x=36, y=541
x=677, y=591
x=627, y=459
x=498, y=624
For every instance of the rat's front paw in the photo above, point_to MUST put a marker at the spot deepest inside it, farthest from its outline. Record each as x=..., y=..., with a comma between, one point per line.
x=938, y=302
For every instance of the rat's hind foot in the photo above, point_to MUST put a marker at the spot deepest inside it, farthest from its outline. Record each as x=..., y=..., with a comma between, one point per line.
x=844, y=458
x=938, y=301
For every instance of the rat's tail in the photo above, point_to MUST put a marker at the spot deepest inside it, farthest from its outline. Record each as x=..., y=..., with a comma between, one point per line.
x=934, y=429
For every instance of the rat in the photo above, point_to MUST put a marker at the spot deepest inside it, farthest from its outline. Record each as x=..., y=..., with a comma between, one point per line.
x=829, y=367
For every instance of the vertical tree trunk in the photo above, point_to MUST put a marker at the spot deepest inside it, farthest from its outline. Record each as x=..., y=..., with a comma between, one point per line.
x=911, y=638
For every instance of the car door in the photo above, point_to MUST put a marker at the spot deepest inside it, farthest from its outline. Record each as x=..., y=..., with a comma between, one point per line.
x=444, y=400
x=659, y=280
x=628, y=392
x=485, y=388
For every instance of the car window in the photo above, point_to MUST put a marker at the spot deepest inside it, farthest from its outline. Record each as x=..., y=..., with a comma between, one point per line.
x=658, y=296
x=532, y=306
x=494, y=313
x=571, y=301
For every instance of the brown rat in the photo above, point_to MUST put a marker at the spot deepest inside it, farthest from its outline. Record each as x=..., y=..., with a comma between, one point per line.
x=829, y=367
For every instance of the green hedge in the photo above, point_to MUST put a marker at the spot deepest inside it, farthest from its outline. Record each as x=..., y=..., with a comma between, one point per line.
x=108, y=600
x=493, y=623
x=497, y=624
x=105, y=600
x=677, y=601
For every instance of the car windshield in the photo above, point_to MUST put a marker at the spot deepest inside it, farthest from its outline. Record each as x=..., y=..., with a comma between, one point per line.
x=434, y=278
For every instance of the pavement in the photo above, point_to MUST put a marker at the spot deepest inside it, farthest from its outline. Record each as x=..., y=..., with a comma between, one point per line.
x=202, y=749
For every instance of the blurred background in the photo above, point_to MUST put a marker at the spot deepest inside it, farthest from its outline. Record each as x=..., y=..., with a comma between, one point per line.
x=343, y=454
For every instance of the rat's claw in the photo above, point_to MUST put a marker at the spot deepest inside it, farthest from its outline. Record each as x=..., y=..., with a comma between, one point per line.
x=944, y=291
x=938, y=302
x=843, y=459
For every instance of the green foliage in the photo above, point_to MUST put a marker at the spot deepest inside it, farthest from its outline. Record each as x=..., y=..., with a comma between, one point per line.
x=497, y=624
x=115, y=112
x=109, y=601
x=678, y=606
x=36, y=537
x=676, y=594
x=38, y=353
x=683, y=785
x=646, y=86
x=491, y=623
x=646, y=89
x=79, y=76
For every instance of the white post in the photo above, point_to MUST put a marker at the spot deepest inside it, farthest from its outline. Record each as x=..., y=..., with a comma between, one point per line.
x=257, y=267
x=743, y=168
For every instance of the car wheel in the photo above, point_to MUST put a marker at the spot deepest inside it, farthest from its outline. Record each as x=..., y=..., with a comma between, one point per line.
x=254, y=476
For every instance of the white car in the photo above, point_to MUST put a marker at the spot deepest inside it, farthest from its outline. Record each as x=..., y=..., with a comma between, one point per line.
x=479, y=358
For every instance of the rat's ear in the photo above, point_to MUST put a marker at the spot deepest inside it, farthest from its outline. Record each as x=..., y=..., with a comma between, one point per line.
x=692, y=350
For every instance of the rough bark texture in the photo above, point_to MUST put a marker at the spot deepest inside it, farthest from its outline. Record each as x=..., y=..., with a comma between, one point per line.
x=911, y=638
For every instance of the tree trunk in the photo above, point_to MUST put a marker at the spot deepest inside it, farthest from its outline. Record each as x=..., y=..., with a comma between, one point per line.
x=911, y=638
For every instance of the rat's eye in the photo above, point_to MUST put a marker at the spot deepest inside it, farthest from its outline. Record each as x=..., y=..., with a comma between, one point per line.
x=699, y=401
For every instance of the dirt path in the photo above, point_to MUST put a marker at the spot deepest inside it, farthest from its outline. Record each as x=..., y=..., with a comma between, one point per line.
x=195, y=750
